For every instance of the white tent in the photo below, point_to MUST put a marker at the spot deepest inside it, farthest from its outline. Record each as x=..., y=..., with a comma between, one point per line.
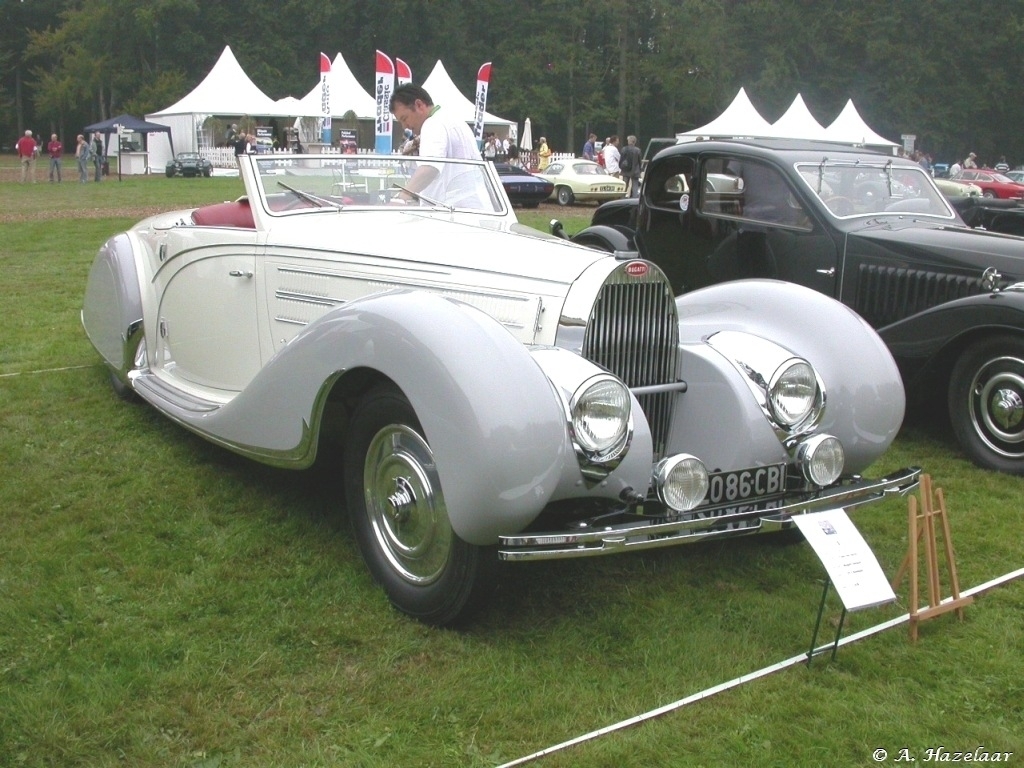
x=444, y=93
x=798, y=123
x=346, y=95
x=740, y=119
x=849, y=128
x=226, y=91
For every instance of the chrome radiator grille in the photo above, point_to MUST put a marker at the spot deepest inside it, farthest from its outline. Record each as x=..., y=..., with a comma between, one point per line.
x=633, y=331
x=888, y=294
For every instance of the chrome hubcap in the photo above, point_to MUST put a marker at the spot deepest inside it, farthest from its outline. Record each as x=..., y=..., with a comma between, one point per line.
x=405, y=504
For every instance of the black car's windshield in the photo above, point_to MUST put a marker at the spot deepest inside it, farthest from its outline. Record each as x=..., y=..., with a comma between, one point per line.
x=856, y=189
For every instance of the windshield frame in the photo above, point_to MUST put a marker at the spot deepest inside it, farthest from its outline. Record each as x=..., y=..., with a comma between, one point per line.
x=292, y=184
x=851, y=189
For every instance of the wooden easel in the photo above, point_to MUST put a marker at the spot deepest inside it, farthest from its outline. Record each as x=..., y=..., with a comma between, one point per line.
x=923, y=523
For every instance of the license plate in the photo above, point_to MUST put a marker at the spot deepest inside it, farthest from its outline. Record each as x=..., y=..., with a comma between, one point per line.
x=742, y=484
x=607, y=189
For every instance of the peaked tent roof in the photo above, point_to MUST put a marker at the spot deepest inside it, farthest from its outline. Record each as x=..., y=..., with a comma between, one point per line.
x=798, y=123
x=226, y=90
x=849, y=128
x=444, y=92
x=346, y=95
x=739, y=119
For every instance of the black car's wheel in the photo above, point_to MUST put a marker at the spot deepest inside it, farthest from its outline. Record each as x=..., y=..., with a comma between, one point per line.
x=398, y=513
x=986, y=403
x=169, y=173
x=565, y=196
x=208, y=172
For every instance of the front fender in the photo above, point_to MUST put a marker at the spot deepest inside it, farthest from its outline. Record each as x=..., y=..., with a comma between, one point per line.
x=929, y=341
x=491, y=416
x=865, y=400
x=606, y=238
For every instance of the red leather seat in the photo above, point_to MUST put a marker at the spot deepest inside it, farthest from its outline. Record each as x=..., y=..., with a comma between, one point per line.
x=232, y=214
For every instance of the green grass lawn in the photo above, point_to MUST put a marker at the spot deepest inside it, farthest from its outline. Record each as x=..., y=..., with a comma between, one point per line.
x=166, y=603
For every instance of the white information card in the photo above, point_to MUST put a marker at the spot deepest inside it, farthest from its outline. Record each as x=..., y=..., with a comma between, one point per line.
x=848, y=560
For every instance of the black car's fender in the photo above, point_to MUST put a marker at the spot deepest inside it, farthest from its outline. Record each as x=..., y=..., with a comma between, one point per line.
x=607, y=238
x=926, y=345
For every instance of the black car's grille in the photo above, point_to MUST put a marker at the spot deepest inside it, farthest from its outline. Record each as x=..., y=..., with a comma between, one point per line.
x=633, y=331
x=888, y=294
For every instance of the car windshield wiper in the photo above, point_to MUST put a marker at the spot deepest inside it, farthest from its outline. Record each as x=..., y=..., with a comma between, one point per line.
x=424, y=198
x=319, y=202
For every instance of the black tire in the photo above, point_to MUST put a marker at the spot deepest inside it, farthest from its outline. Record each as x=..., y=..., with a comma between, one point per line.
x=986, y=403
x=565, y=196
x=398, y=514
x=988, y=193
x=169, y=174
x=121, y=389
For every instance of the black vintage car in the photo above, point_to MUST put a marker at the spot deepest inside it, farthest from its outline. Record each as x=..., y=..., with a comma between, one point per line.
x=189, y=164
x=522, y=187
x=866, y=228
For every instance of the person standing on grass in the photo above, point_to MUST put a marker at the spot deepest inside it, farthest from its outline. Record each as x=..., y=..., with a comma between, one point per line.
x=56, y=150
x=629, y=166
x=27, y=151
x=82, y=153
x=97, y=154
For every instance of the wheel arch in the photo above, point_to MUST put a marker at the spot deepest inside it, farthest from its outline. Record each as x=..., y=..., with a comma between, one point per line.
x=487, y=409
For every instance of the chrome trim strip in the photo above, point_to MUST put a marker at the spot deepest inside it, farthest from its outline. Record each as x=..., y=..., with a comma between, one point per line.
x=571, y=544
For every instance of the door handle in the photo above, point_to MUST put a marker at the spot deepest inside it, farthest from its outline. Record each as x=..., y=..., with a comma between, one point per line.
x=830, y=272
x=240, y=273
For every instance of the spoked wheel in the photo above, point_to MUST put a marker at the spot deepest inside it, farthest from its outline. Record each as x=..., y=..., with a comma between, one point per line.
x=400, y=519
x=986, y=403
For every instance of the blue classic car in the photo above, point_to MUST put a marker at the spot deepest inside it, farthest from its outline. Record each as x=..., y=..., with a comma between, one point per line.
x=868, y=229
x=495, y=392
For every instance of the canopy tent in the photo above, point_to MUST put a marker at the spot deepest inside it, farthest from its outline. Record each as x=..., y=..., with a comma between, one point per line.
x=849, y=128
x=346, y=95
x=129, y=123
x=445, y=93
x=798, y=123
x=740, y=119
x=225, y=91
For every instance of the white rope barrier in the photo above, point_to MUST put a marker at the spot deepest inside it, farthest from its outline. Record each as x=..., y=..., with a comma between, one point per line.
x=736, y=682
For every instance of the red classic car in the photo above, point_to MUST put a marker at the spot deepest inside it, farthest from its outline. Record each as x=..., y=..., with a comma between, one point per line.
x=992, y=183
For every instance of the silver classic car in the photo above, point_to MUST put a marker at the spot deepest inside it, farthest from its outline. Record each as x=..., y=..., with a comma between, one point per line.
x=497, y=393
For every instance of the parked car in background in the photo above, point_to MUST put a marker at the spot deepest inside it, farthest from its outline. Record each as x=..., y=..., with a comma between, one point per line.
x=992, y=183
x=1017, y=176
x=189, y=164
x=956, y=189
x=582, y=181
x=868, y=229
x=492, y=391
x=522, y=187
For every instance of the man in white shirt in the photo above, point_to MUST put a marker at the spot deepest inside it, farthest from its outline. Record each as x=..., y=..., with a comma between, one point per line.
x=441, y=134
x=611, y=156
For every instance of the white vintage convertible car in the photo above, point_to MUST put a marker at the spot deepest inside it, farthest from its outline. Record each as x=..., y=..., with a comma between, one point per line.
x=498, y=394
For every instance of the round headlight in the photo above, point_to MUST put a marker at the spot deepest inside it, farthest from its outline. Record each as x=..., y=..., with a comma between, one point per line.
x=793, y=392
x=821, y=459
x=600, y=415
x=681, y=481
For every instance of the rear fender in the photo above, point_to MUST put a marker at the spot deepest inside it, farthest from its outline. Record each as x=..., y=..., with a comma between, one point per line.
x=112, y=308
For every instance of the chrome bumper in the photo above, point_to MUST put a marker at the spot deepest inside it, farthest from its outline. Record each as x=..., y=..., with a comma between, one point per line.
x=642, y=535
